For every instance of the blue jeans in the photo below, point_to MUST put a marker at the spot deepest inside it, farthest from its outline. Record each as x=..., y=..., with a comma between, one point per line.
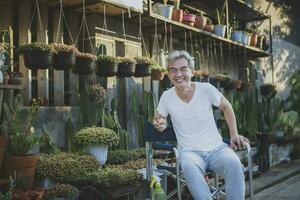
x=223, y=161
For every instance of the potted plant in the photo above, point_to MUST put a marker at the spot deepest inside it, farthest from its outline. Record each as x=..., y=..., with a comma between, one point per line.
x=236, y=34
x=85, y=63
x=165, y=9
x=143, y=66
x=288, y=122
x=61, y=191
x=177, y=14
x=157, y=72
x=97, y=140
x=65, y=57
x=188, y=18
x=64, y=168
x=37, y=55
x=16, y=78
x=126, y=67
x=254, y=35
x=107, y=65
x=21, y=138
x=200, y=21
x=220, y=28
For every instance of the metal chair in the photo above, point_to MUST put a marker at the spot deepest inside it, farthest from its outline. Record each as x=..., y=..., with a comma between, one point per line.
x=158, y=141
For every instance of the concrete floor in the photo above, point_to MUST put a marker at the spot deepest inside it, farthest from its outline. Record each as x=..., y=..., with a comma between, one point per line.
x=286, y=190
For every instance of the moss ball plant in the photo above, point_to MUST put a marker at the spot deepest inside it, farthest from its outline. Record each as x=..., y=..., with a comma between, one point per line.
x=91, y=136
x=65, y=167
x=65, y=191
x=36, y=46
x=64, y=48
x=144, y=60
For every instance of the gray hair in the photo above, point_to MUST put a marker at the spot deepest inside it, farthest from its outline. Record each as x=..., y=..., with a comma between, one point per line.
x=178, y=54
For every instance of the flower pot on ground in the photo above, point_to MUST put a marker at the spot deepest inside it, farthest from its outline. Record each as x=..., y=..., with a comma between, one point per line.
x=200, y=21
x=126, y=67
x=143, y=66
x=189, y=19
x=85, y=63
x=37, y=55
x=96, y=136
x=65, y=57
x=158, y=73
x=21, y=138
x=107, y=66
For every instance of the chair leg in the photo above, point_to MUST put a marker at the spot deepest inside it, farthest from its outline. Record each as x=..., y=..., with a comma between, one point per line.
x=178, y=180
x=250, y=171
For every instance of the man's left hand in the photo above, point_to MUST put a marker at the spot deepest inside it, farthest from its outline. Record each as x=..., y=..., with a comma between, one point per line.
x=238, y=141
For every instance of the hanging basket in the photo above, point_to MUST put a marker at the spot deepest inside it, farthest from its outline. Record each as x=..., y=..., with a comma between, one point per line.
x=64, y=60
x=84, y=65
x=126, y=69
x=142, y=69
x=106, y=69
x=157, y=75
x=37, y=59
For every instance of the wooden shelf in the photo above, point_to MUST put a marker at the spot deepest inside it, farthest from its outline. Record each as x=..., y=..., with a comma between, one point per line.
x=14, y=87
x=178, y=32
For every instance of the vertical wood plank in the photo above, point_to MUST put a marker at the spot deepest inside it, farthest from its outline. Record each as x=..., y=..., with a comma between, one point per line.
x=24, y=9
x=58, y=74
x=42, y=36
x=72, y=19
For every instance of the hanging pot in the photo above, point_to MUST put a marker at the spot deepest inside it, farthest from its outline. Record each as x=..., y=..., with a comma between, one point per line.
x=84, y=65
x=125, y=69
x=165, y=10
x=157, y=75
x=37, y=59
x=2, y=149
x=177, y=15
x=220, y=30
x=64, y=60
x=236, y=36
x=106, y=69
x=99, y=152
x=142, y=70
x=23, y=167
x=200, y=22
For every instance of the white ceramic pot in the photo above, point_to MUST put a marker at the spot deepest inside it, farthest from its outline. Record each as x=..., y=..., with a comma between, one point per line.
x=165, y=10
x=236, y=36
x=220, y=30
x=99, y=152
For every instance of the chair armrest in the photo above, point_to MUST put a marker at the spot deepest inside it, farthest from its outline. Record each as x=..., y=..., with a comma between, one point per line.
x=163, y=146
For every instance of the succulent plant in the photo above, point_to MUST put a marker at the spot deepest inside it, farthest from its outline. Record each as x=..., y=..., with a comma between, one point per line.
x=105, y=58
x=36, y=46
x=65, y=167
x=98, y=92
x=86, y=55
x=126, y=60
x=139, y=164
x=64, y=48
x=115, y=176
x=66, y=191
x=144, y=60
x=122, y=156
x=90, y=136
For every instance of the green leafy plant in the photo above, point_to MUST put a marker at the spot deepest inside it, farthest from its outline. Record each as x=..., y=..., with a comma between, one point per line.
x=288, y=122
x=105, y=58
x=36, y=46
x=65, y=167
x=292, y=101
x=221, y=14
x=19, y=124
x=64, y=48
x=65, y=191
x=115, y=176
x=90, y=136
x=122, y=156
x=158, y=68
x=144, y=60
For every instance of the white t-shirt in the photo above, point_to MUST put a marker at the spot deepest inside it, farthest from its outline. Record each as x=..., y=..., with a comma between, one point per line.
x=193, y=122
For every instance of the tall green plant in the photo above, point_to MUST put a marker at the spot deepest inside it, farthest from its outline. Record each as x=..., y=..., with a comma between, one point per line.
x=143, y=109
x=292, y=101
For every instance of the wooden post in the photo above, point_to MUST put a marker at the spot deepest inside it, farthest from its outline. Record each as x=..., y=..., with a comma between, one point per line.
x=58, y=78
x=24, y=9
x=42, y=36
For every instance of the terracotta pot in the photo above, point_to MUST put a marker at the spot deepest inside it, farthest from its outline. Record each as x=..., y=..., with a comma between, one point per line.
x=253, y=39
x=177, y=15
x=157, y=75
x=209, y=27
x=200, y=22
x=23, y=167
x=2, y=149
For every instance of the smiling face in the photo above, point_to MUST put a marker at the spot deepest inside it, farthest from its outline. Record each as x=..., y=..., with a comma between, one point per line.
x=179, y=72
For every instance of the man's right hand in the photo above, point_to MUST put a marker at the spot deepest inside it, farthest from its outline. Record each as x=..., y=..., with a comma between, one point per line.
x=160, y=124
